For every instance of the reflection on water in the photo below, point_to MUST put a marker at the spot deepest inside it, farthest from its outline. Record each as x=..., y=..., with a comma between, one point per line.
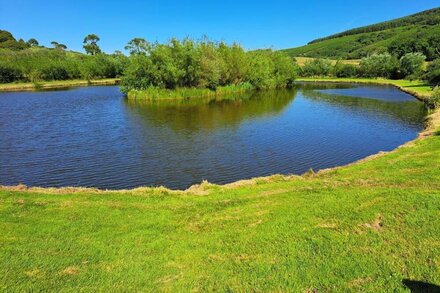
x=408, y=110
x=95, y=137
x=211, y=113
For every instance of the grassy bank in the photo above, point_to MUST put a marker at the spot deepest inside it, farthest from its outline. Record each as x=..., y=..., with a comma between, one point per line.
x=32, y=86
x=367, y=227
x=154, y=93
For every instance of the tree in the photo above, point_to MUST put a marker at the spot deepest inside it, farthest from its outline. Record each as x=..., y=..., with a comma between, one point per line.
x=433, y=73
x=8, y=41
x=411, y=65
x=6, y=36
x=434, y=101
x=58, y=46
x=344, y=70
x=206, y=64
x=90, y=44
x=32, y=42
x=379, y=65
x=317, y=67
x=137, y=46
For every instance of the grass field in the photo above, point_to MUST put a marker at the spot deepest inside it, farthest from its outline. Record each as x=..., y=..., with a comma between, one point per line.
x=303, y=60
x=32, y=86
x=368, y=227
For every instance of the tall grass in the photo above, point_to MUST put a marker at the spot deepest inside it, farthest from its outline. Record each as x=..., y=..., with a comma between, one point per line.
x=155, y=93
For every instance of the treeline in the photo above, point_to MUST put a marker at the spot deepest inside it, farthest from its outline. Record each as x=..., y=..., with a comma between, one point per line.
x=7, y=41
x=33, y=65
x=204, y=64
x=429, y=17
x=426, y=42
x=22, y=61
x=409, y=66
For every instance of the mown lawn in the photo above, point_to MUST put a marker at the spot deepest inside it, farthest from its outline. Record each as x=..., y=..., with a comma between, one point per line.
x=365, y=227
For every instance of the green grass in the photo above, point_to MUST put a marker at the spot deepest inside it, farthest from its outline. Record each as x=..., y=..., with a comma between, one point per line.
x=301, y=61
x=154, y=93
x=23, y=86
x=368, y=226
x=365, y=227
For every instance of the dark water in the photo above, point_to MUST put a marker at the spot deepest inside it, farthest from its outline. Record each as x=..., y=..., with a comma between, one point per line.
x=93, y=136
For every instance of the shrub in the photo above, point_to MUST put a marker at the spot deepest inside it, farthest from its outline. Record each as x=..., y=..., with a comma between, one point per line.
x=380, y=65
x=433, y=73
x=434, y=100
x=317, y=67
x=9, y=74
x=54, y=72
x=206, y=64
x=345, y=70
x=39, y=64
x=411, y=65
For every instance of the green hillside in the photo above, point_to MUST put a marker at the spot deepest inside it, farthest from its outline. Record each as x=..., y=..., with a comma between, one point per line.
x=415, y=33
x=7, y=41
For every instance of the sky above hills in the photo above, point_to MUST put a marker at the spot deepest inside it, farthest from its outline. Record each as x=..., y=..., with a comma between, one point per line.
x=254, y=24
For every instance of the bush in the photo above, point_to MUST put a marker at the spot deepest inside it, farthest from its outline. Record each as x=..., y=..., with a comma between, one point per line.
x=380, y=65
x=434, y=101
x=54, y=72
x=317, y=67
x=39, y=64
x=206, y=64
x=433, y=73
x=345, y=70
x=411, y=65
x=9, y=74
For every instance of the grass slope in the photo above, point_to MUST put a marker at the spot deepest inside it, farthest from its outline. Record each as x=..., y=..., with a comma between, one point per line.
x=360, y=42
x=365, y=227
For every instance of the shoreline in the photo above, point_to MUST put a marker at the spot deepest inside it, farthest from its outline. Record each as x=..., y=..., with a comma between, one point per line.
x=403, y=85
x=431, y=128
x=376, y=219
x=59, y=84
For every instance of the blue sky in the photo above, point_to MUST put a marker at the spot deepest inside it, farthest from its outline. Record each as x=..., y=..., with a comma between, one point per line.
x=254, y=24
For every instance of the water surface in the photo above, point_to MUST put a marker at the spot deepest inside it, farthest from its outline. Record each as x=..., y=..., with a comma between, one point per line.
x=94, y=137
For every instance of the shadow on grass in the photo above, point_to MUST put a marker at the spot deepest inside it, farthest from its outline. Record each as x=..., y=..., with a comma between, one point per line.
x=421, y=287
x=418, y=85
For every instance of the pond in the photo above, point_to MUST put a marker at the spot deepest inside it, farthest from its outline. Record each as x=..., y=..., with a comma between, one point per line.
x=95, y=137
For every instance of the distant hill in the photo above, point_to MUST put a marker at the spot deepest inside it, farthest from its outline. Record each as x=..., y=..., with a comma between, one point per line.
x=415, y=33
